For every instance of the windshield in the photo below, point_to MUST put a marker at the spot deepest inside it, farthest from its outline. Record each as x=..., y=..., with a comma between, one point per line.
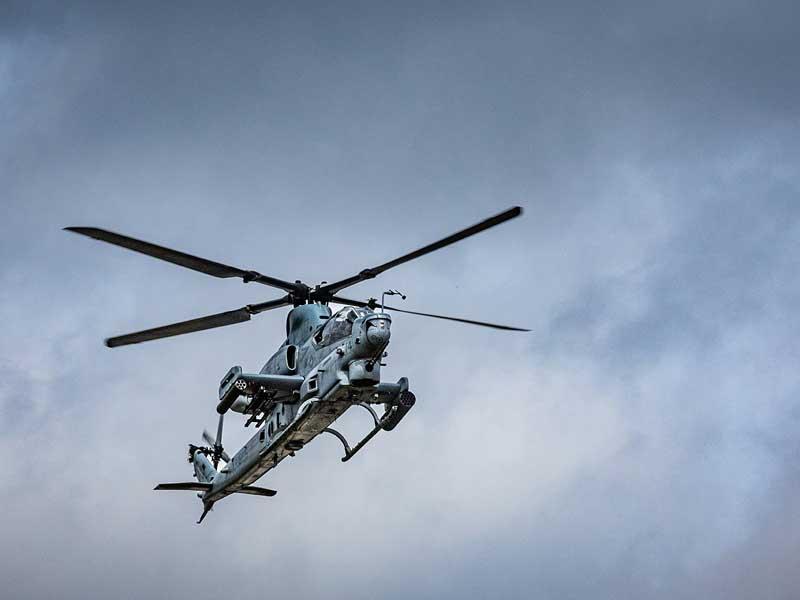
x=338, y=327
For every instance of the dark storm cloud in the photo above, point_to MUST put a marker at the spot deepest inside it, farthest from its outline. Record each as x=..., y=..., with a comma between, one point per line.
x=638, y=444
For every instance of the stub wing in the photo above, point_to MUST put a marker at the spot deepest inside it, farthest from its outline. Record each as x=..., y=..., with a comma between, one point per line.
x=235, y=384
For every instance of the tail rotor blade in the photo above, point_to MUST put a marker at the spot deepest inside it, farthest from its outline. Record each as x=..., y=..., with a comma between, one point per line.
x=219, y=451
x=219, y=429
x=209, y=438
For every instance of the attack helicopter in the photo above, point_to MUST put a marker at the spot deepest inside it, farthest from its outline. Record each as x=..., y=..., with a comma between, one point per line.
x=328, y=363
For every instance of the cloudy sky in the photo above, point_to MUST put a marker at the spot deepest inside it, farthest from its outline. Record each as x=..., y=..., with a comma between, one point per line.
x=641, y=442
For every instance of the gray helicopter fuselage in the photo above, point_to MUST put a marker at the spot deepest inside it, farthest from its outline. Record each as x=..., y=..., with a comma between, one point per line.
x=339, y=358
x=328, y=363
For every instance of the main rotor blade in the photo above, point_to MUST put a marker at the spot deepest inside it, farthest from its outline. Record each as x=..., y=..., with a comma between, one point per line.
x=335, y=287
x=468, y=321
x=374, y=304
x=203, y=265
x=200, y=324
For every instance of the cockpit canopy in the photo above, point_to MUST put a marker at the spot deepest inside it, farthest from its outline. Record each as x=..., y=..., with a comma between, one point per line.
x=339, y=326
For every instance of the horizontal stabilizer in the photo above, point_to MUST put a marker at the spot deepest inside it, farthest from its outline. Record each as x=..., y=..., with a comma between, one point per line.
x=196, y=486
x=193, y=486
x=256, y=491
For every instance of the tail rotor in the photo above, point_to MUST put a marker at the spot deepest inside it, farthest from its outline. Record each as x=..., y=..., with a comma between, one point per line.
x=217, y=451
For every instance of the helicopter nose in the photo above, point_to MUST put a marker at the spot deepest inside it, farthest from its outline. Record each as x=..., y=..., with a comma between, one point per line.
x=378, y=332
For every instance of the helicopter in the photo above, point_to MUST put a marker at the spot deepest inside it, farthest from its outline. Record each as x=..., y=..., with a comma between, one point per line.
x=329, y=363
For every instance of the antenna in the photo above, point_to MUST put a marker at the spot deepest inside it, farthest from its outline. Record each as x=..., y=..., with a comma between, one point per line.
x=391, y=293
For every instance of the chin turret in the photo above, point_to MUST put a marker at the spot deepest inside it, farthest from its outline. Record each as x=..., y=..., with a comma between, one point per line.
x=378, y=330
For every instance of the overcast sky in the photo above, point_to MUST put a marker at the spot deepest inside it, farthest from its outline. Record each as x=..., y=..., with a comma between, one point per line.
x=641, y=442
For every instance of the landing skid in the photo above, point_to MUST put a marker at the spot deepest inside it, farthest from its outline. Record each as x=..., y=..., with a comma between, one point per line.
x=350, y=452
x=387, y=422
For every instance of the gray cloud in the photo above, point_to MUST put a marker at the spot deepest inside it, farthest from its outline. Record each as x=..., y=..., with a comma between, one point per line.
x=638, y=444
